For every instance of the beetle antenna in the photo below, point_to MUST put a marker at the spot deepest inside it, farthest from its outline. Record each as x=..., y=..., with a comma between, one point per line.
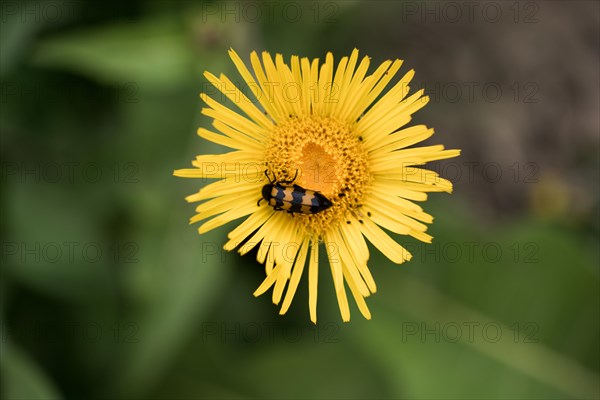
x=291, y=180
x=269, y=178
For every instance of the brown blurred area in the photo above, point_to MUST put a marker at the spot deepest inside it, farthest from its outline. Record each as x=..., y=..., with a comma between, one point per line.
x=513, y=84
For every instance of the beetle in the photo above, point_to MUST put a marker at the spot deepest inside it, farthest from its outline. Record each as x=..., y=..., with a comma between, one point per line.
x=286, y=196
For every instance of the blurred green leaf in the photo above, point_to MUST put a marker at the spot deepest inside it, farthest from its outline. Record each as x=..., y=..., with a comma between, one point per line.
x=154, y=53
x=424, y=336
x=313, y=370
x=54, y=249
x=421, y=305
x=15, y=38
x=16, y=35
x=519, y=272
x=22, y=378
x=157, y=53
x=186, y=279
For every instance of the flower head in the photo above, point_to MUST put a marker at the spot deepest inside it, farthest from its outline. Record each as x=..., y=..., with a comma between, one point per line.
x=315, y=131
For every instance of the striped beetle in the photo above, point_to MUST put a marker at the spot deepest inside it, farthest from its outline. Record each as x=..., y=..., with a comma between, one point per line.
x=285, y=196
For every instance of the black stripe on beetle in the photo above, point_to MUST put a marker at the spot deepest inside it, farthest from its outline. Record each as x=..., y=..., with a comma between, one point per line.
x=285, y=196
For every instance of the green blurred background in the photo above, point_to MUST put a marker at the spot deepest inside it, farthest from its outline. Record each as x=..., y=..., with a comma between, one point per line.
x=107, y=292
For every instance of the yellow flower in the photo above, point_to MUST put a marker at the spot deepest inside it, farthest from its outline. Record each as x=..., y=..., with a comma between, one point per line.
x=328, y=130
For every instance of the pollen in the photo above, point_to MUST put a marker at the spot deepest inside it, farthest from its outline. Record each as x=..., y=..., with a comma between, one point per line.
x=326, y=155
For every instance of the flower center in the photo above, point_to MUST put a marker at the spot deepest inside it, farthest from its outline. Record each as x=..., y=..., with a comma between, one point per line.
x=329, y=157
